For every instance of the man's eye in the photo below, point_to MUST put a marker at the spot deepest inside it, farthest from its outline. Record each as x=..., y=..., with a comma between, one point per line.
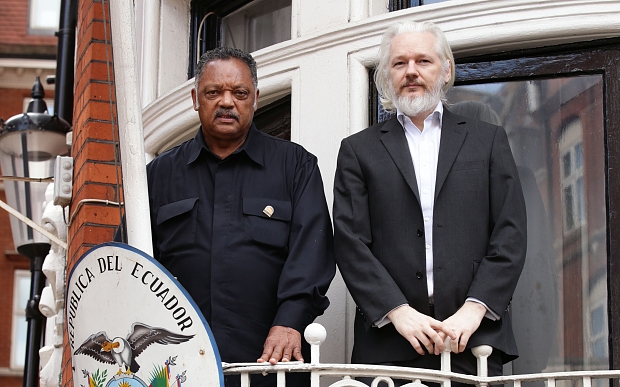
x=211, y=92
x=241, y=94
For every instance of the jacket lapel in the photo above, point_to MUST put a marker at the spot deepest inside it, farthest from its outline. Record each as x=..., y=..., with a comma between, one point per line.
x=452, y=136
x=395, y=142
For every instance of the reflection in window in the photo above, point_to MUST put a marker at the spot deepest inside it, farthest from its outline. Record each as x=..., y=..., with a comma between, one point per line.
x=258, y=25
x=21, y=294
x=555, y=129
x=598, y=331
x=572, y=176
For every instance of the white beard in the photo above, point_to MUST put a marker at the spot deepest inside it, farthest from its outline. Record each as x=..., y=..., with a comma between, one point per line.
x=413, y=106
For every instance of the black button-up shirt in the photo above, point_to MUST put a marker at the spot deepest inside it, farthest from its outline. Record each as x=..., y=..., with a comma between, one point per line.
x=248, y=236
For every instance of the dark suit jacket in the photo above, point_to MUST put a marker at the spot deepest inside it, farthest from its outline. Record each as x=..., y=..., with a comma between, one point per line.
x=479, y=232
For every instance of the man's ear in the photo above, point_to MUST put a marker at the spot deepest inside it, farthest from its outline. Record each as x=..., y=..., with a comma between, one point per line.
x=194, y=101
x=256, y=99
x=448, y=73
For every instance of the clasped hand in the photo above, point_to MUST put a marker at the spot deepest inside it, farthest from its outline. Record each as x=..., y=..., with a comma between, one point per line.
x=423, y=331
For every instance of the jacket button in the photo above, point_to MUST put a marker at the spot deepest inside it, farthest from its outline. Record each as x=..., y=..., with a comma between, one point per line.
x=418, y=275
x=420, y=232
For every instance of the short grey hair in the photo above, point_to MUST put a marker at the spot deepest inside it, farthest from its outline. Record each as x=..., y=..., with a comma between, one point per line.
x=382, y=79
x=225, y=53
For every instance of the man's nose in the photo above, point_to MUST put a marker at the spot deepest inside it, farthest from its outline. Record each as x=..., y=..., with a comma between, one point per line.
x=227, y=99
x=412, y=68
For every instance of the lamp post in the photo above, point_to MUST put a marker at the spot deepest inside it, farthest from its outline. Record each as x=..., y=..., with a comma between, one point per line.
x=29, y=144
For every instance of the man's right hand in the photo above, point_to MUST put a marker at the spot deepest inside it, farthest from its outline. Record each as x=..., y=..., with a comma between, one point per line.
x=420, y=329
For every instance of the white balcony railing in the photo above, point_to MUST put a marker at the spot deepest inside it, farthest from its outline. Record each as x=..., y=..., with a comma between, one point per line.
x=315, y=335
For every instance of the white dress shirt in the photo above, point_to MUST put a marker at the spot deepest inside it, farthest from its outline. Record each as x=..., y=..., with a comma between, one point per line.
x=424, y=148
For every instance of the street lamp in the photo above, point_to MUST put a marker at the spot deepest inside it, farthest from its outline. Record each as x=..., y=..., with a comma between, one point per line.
x=29, y=144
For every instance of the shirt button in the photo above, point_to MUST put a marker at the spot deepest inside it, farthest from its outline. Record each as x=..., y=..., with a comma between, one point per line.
x=426, y=219
x=418, y=275
x=420, y=232
x=426, y=191
x=428, y=247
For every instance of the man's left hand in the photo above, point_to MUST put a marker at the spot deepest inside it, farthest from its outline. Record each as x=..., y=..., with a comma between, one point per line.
x=464, y=322
x=282, y=343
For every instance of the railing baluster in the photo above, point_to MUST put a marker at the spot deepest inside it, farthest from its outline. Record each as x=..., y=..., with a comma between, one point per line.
x=245, y=379
x=281, y=379
x=482, y=352
x=315, y=335
x=445, y=362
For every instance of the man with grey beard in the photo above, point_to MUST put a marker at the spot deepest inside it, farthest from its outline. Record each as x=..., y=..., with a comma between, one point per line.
x=429, y=218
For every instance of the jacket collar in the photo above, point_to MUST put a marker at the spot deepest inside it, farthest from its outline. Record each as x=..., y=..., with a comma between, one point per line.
x=453, y=134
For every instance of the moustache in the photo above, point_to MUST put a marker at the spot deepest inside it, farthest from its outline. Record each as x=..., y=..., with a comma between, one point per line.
x=408, y=84
x=224, y=113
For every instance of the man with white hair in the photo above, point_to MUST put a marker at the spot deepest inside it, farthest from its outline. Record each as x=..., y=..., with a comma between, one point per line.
x=429, y=218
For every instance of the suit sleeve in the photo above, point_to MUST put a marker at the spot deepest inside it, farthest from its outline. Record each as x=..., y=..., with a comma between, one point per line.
x=374, y=290
x=310, y=265
x=497, y=276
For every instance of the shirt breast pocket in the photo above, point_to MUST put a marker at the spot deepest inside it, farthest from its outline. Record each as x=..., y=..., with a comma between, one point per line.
x=176, y=225
x=267, y=221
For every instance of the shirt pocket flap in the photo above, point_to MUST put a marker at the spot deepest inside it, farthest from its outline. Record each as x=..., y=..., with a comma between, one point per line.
x=278, y=209
x=169, y=211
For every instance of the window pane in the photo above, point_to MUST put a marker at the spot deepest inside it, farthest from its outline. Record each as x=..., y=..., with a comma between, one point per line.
x=23, y=292
x=556, y=131
x=275, y=118
x=44, y=14
x=569, y=217
x=261, y=24
x=567, y=164
x=19, y=345
x=578, y=155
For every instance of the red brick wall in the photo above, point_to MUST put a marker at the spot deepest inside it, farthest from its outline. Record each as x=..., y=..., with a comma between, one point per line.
x=96, y=176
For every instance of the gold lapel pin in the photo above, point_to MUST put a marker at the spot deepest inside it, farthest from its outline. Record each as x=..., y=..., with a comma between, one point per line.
x=268, y=211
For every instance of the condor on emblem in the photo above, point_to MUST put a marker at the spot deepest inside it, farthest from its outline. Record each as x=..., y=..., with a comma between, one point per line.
x=130, y=323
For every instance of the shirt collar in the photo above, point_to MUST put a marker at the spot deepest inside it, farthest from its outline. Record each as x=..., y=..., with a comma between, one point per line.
x=438, y=112
x=252, y=146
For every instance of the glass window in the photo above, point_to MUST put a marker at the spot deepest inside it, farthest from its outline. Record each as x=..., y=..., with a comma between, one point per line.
x=260, y=24
x=21, y=295
x=44, y=17
x=396, y=5
x=556, y=131
x=245, y=24
x=275, y=118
